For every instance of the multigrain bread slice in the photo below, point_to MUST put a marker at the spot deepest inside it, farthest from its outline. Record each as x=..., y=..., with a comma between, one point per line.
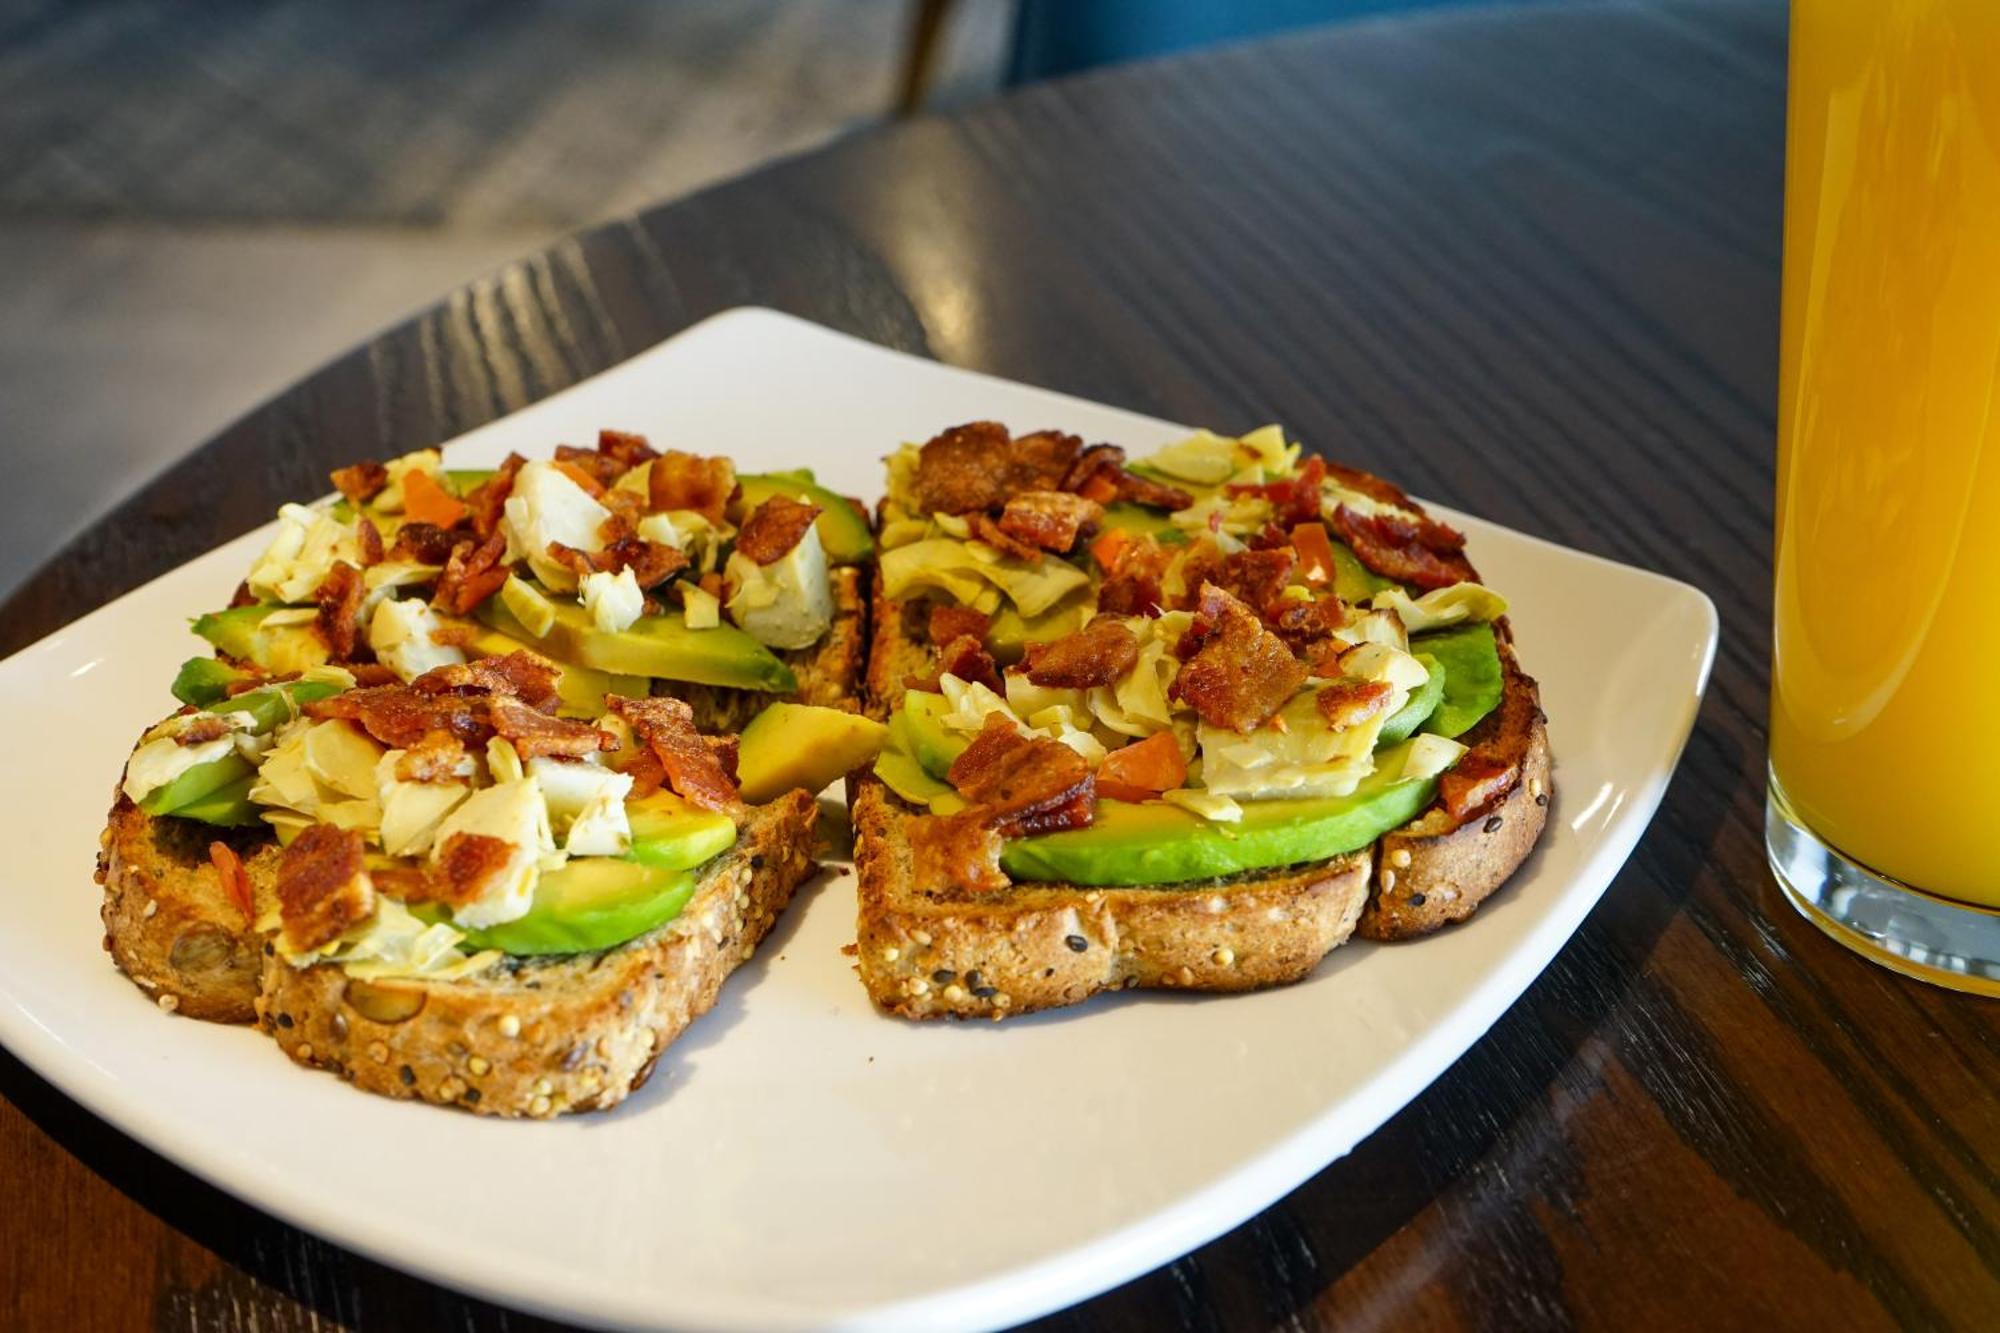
x=831, y=673
x=537, y=1037
x=168, y=923
x=927, y=952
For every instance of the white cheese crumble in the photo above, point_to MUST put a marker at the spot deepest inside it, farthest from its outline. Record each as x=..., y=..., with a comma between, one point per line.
x=613, y=600
x=403, y=633
x=547, y=506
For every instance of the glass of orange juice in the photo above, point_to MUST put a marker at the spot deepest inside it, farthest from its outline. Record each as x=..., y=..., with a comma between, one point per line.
x=1883, y=821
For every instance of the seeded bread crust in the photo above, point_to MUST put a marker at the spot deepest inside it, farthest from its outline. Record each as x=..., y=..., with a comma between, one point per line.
x=167, y=922
x=1432, y=872
x=898, y=648
x=830, y=672
x=541, y=1037
x=928, y=953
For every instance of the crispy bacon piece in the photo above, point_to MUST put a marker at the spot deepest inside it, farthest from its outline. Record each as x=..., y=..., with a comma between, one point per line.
x=773, y=528
x=465, y=868
x=628, y=449
x=1421, y=551
x=339, y=596
x=323, y=885
x=975, y=467
x=1370, y=485
x=1295, y=499
x=1254, y=577
x=370, y=538
x=646, y=772
x=435, y=758
x=1240, y=672
x=242, y=596
x=488, y=500
x=425, y=543
x=685, y=481
x=362, y=482
x=1303, y=624
x=1023, y=784
x=957, y=850
x=1098, y=654
x=986, y=529
x=1051, y=520
x=601, y=468
x=652, y=563
x=966, y=658
x=1099, y=474
x=235, y=880
x=201, y=728
x=371, y=674
x=472, y=573
x=728, y=750
x=1347, y=703
x=400, y=717
x=691, y=767
x=1475, y=782
x=949, y=621
x=1130, y=595
x=536, y=733
x=526, y=676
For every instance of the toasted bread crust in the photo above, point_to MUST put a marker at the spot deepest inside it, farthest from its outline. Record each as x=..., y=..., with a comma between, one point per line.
x=1434, y=871
x=897, y=648
x=830, y=672
x=541, y=1037
x=927, y=954
x=169, y=925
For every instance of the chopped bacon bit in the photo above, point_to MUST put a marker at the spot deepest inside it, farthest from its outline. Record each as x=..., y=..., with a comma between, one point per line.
x=536, y=733
x=1023, y=784
x=1240, y=673
x=956, y=850
x=372, y=674
x=1141, y=771
x=1145, y=491
x=406, y=882
x=425, y=543
x=488, y=500
x=1420, y=551
x=602, y=469
x=1475, y=782
x=1050, y=520
x=235, y=880
x=472, y=574
x=728, y=750
x=1370, y=485
x=985, y=529
x=966, y=658
x=652, y=563
x=975, y=467
x=361, y=482
x=399, y=717
x=340, y=596
x=581, y=476
x=1098, y=654
x=1099, y=474
x=711, y=583
x=466, y=867
x=436, y=758
x=686, y=481
x=691, y=767
x=950, y=622
x=628, y=449
x=242, y=596
x=1130, y=595
x=425, y=500
x=1295, y=499
x=201, y=728
x=323, y=885
x=1253, y=577
x=1348, y=703
x=526, y=676
x=647, y=773
x=370, y=538
x=774, y=528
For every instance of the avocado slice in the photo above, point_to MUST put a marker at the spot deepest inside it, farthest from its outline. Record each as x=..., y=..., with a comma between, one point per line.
x=1157, y=843
x=662, y=647
x=200, y=781
x=1011, y=632
x=670, y=834
x=241, y=633
x=202, y=681
x=929, y=742
x=1472, y=678
x=1352, y=580
x=842, y=530
x=592, y=903
x=800, y=745
x=271, y=706
x=1142, y=521
x=1423, y=701
x=227, y=807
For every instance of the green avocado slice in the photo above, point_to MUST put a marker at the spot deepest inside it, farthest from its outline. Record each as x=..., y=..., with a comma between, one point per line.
x=930, y=744
x=1156, y=843
x=202, y=681
x=842, y=530
x=198, y=782
x=1352, y=580
x=241, y=632
x=227, y=807
x=670, y=834
x=271, y=706
x=1472, y=677
x=1011, y=632
x=592, y=903
x=1416, y=710
x=662, y=647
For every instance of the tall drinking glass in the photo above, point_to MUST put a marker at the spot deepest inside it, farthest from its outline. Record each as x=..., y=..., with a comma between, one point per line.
x=1883, y=820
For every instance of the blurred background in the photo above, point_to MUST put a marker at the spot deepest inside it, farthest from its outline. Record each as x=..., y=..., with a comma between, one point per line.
x=201, y=202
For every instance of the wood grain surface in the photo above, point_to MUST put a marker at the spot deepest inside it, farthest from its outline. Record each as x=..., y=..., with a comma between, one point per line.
x=1525, y=262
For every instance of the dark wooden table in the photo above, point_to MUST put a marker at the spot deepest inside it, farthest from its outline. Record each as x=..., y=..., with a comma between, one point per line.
x=1525, y=261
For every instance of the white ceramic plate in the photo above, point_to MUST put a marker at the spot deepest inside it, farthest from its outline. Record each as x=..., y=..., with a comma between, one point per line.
x=798, y=1160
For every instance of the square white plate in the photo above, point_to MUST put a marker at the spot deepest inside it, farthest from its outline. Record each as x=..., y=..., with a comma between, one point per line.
x=797, y=1159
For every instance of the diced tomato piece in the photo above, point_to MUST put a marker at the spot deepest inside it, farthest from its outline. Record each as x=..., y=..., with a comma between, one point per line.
x=235, y=880
x=1109, y=547
x=1148, y=767
x=1315, y=552
x=424, y=501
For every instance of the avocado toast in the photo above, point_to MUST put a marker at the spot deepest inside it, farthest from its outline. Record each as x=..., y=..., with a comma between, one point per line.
x=433, y=817
x=1188, y=723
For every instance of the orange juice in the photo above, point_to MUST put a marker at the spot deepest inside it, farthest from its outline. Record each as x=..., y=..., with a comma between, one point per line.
x=1885, y=707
